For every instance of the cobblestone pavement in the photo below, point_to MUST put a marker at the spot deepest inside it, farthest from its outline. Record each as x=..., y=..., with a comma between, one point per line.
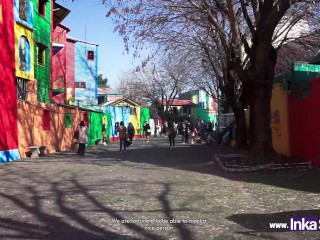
x=150, y=192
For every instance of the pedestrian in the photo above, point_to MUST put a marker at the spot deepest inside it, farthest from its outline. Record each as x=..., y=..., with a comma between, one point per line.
x=122, y=135
x=147, y=130
x=83, y=138
x=183, y=132
x=186, y=132
x=131, y=132
x=104, y=134
x=171, y=134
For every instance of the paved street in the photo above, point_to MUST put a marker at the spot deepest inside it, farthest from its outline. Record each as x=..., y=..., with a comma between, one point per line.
x=150, y=192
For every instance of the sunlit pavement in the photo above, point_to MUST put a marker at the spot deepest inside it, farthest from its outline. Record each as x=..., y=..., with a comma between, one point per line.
x=150, y=192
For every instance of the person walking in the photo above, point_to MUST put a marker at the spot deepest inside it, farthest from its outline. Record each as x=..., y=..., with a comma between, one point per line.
x=122, y=135
x=131, y=132
x=186, y=132
x=171, y=134
x=104, y=134
x=147, y=130
x=83, y=138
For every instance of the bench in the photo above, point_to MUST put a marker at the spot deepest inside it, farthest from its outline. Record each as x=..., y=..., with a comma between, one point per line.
x=37, y=151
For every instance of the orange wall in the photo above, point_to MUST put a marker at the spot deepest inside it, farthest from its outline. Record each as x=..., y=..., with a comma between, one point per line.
x=279, y=120
x=31, y=133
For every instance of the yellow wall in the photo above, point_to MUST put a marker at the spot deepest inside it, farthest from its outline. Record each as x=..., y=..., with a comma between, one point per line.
x=279, y=120
x=135, y=119
x=21, y=31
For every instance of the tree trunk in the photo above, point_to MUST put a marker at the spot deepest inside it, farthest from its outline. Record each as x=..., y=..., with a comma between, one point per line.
x=261, y=150
x=241, y=132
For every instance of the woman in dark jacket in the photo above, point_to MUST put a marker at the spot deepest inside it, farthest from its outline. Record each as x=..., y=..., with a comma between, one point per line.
x=130, y=132
x=147, y=130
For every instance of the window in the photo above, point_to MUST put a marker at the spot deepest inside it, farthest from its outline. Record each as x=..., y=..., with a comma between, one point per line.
x=90, y=55
x=46, y=119
x=42, y=7
x=68, y=120
x=41, y=49
x=22, y=92
x=23, y=9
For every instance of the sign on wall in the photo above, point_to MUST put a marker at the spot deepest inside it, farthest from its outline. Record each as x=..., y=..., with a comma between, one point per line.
x=80, y=85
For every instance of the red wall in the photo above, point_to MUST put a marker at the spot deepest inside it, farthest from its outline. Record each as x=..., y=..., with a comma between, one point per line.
x=304, y=123
x=71, y=64
x=8, y=95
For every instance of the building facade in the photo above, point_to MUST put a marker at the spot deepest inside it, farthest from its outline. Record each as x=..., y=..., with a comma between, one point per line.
x=86, y=73
x=8, y=94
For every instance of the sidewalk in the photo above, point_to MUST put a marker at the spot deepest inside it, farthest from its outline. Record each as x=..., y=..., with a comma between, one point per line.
x=150, y=192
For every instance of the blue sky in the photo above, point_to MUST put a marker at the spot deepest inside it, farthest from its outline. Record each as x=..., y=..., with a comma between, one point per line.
x=87, y=21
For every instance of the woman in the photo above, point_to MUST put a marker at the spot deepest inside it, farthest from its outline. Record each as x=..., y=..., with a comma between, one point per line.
x=104, y=134
x=130, y=132
x=122, y=135
x=83, y=138
x=171, y=134
x=147, y=130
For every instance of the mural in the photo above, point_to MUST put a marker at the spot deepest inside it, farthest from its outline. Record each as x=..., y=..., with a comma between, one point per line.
x=24, y=49
x=24, y=54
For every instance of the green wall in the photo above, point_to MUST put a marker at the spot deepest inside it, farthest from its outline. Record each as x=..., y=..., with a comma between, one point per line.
x=202, y=114
x=42, y=34
x=95, y=127
x=144, y=116
x=108, y=125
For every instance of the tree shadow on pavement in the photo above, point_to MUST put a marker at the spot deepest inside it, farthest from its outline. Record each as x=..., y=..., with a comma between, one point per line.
x=50, y=214
x=200, y=158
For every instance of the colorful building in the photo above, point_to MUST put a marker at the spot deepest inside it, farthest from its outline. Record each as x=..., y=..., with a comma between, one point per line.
x=86, y=73
x=294, y=114
x=42, y=11
x=8, y=94
x=206, y=106
x=59, y=64
x=124, y=110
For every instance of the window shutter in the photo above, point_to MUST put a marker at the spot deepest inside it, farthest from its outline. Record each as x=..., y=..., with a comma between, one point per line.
x=46, y=119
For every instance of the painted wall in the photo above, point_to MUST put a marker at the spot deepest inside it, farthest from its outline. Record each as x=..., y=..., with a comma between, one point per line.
x=23, y=14
x=117, y=114
x=135, y=120
x=42, y=35
x=304, y=118
x=144, y=116
x=95, y=127
x=86, y=71
x=30, y=125
x=70, y=71
x=279, y=120
x=24, y=48
x=58, y=65
x=8, y=96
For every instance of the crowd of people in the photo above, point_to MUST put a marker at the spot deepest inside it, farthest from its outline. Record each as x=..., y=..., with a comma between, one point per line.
x=190, y=132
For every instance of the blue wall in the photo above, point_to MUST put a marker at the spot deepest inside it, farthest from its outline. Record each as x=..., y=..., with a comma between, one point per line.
x=9, y=155
x=118, y=114
x=86, y=71
x=29, y=14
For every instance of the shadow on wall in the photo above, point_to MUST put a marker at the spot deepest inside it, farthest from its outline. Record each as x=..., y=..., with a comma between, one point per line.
x=32, y=125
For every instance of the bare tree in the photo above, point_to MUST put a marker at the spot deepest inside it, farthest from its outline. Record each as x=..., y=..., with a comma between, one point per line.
x=160, y=81
x=246, y=30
